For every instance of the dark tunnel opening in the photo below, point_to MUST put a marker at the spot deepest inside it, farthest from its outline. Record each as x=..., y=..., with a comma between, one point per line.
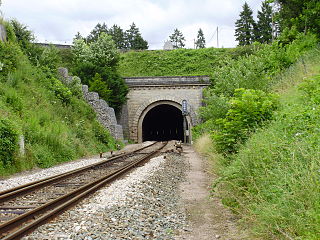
x=163, y=123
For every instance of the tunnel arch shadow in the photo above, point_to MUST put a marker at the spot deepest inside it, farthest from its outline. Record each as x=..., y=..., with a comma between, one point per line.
x=161, y=121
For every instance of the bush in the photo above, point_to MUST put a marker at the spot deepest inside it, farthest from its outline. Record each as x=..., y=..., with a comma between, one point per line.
x=61, y=91
x=8, y=141
x=249, y=109
x=9, y=57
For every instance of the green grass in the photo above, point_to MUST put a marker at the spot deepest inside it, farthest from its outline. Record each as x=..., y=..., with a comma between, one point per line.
x=273, y=182
x=54, y=131
x=186, y=62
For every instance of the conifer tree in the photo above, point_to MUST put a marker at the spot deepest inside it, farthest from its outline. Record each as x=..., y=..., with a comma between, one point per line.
x=118, y=36
x=177, y=39
x=201, y=41
x=95, y=33
x=134, y=39
x=78, y=36
x=245, y=26
x=264, y=24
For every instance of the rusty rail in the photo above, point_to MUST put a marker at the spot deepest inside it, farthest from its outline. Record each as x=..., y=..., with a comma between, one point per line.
x=27, y=222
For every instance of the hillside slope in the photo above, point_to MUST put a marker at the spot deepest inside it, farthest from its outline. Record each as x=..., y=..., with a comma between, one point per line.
x=272, y=182
x=56, y=123
x=185, y=62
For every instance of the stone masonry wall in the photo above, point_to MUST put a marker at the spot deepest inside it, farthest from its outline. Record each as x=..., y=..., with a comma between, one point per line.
x=105, y=114
x=140, y=97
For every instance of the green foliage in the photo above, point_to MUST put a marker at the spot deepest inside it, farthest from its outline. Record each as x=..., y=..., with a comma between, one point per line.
x=264, y=23
x=11, y=37
x=185, y=62
x=75, y=86
x=100, y=57
x=272, y=182
x=130, y=39
x=96, y=32
x=249, y=110
x=200, y=42
x=302, y=15
x=177, y=39
x=134, y=40
x=50, y=58
x=97, y=85
x=256, y=71
x=8, y=141
x=62, y=92
x=118, y=36
x=24, y=36
x=9, y=57
x=215, y=106
x=57, y=125
x=244, y=31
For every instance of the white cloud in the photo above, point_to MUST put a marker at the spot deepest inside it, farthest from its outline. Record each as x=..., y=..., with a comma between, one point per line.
x=58, y=21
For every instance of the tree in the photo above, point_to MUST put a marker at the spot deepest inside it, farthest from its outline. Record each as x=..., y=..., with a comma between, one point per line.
x=100, y=57
x=264, y=24
x=200, y=42
x=118, y=36
x=95, y=33
x=134, y=39
x=24, y=36
x=177, y=39
x=303, y=15
x=78, y=36
x=245, y=26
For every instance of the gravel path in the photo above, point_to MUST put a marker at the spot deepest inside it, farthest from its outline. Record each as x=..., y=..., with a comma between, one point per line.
x=142, y=205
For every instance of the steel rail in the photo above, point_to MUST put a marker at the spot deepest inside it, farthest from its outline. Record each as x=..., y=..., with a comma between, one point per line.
x=29, y=187
x=54, y=207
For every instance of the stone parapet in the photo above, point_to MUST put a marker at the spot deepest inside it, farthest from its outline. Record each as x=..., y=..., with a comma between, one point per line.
x=172, y=81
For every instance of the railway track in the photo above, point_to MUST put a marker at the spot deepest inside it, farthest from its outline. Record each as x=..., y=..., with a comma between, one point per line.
x=24, y=208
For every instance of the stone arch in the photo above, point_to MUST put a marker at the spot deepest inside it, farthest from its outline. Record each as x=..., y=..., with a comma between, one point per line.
x=143, y=109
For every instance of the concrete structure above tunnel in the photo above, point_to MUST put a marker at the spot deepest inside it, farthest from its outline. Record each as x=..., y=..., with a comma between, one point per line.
x=146, y=94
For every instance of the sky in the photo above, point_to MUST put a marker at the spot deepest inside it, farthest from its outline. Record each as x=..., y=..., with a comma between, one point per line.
x=58, y=21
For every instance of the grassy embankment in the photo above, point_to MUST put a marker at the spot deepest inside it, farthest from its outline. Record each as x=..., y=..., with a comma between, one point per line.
x=56, y=123
x=272, y=181
x=184, y=62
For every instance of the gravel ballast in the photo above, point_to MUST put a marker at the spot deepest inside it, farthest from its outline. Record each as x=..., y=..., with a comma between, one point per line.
x=27, y=177
x=142, y=205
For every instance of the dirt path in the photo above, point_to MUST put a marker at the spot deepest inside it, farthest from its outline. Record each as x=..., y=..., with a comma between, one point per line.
x=208, y=218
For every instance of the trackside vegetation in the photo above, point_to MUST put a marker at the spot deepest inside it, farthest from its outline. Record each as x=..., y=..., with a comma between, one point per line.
x=56, y=123
x=262, y=132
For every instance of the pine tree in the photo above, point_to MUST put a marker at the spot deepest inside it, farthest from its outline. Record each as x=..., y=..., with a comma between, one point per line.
x=177, y=39
x=95, y=33
x=134, y=39
x=118, y=36
x=245, y=26
x=264, y=24
x=201, y=41
x=78, y=36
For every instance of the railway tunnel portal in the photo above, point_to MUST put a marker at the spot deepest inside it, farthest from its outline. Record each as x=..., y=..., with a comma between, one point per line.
x=153, y=108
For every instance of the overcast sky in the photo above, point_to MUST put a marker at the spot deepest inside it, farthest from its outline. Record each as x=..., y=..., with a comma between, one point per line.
x=57, y=21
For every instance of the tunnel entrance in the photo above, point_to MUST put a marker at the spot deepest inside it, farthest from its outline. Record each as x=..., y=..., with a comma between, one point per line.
x=162, y=123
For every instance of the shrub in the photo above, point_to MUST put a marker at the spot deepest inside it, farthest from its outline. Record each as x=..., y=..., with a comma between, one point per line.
x=50, y=58
x=75, y=86
x=103, y=135
x=97, y=85
x=249, y=109
x=8, y=141
x=61, y=91
x=9, y=57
